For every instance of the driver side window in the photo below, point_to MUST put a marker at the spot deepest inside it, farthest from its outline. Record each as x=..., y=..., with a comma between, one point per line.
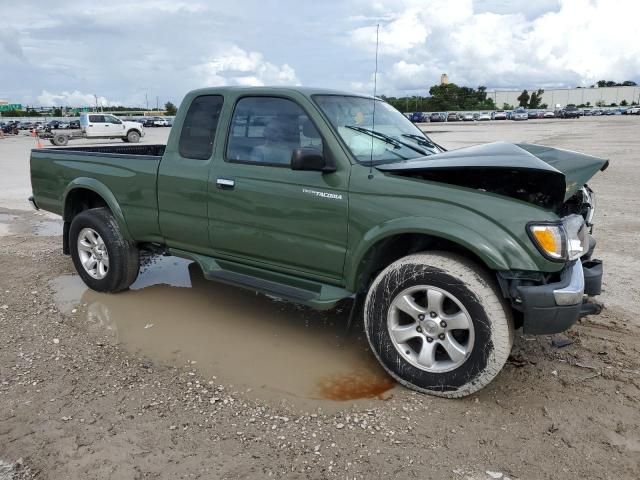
x=266, y=131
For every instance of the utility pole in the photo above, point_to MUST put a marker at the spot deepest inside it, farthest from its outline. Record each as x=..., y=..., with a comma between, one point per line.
x=96, y=98
x=146, y=98
x=157, y=103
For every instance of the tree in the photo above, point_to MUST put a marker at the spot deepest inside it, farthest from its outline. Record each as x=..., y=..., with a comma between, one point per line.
x=629, y=83
x=57, y=112
x=170, y=108
x=506, y=106
x=624, y=103
x=536, y=99
x=523, y=98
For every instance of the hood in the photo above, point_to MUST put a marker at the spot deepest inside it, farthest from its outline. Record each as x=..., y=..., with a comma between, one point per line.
x=542, y=175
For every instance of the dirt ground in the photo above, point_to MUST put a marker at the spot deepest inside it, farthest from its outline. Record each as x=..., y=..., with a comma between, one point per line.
x=183, y=378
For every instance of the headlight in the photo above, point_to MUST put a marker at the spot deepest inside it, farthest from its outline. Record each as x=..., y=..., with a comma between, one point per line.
x=563, y=241
x=550, y=240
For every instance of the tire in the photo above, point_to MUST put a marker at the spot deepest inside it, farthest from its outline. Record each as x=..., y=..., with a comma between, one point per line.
x=125, y=139
x=122, y=256
x=470, y=300
x=60, y=140
x=133, y=136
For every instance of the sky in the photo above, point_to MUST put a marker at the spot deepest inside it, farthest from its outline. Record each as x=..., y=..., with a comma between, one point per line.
x=127, y=51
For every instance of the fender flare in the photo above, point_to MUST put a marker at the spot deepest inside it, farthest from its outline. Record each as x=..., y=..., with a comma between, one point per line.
x=505, y=254
x=103, y=191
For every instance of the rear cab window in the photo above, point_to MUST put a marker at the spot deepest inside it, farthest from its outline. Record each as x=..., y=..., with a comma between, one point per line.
x=199, y=127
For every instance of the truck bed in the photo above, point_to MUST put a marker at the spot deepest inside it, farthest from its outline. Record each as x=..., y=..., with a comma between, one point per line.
x=125, y=175
x=142, y=150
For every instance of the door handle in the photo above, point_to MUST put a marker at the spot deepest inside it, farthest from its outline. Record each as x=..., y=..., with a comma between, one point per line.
x=225, y=183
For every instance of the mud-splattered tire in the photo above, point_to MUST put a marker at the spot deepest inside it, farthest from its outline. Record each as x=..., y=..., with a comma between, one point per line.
x=94, y=233
x=436, y=288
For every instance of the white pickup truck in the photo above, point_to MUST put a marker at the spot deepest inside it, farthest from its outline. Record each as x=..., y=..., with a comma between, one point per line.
x=99, y=125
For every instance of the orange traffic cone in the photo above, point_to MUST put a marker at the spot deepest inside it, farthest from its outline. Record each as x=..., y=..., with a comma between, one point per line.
x=35, y=134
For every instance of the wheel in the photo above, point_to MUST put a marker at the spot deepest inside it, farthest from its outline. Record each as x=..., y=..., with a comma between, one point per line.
x=60, y=140
x=102, y=257
x=437, y=324
x=133, y=136
x=125, y=139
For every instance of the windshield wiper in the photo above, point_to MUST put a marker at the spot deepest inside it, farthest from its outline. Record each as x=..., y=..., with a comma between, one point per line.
x=420, y=139
x=387, y=138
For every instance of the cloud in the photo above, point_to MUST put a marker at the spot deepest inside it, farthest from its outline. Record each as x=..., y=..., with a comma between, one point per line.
x=73, y=99
x=177, y=45
x=235, y=66
x=10, y=44
x=504, y=44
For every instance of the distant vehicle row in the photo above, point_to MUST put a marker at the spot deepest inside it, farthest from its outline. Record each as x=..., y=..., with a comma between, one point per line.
x=570, y=111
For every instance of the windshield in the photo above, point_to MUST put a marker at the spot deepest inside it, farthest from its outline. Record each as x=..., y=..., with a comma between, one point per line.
x=392, y=138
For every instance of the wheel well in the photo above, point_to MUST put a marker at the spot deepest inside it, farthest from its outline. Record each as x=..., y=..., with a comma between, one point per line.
x=77, y=201
x=134, y=130
x=390, y=249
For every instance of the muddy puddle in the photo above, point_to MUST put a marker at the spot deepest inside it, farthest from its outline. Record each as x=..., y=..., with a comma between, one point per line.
x=270, y=349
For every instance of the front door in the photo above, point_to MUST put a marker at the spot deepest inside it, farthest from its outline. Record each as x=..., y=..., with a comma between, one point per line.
x=113, y=126
x=262, y=211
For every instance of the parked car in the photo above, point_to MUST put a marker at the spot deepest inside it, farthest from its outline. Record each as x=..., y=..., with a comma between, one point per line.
x=441, y=275
x=146, y=122
x=467, y=117
x=570, y=111
x=452, y=117
x=597, y=113
x=633, y=110
x=160, y=122
x=586, y=112
x=519, y=114
x=499, y=115
x=549, y=114
x=531, y=114
x=11, y=127
x=437, y=117
x=484, y=116
x=417, y=117
x=74, y=124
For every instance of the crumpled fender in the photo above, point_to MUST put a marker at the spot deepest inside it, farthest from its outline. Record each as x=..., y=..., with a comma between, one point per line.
x=501, y=252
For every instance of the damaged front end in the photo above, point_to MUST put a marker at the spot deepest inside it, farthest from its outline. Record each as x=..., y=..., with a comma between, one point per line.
x=553, y=179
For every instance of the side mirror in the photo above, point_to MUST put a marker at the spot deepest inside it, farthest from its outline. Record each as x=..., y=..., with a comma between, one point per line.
x=311, y=159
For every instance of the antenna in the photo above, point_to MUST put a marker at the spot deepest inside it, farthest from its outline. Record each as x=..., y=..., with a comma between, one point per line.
x=373, y=115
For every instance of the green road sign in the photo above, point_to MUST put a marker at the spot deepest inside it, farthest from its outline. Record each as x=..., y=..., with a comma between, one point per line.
x=10, y=107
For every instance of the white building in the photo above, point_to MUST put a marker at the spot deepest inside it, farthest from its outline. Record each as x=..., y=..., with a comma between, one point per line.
x=576, y=96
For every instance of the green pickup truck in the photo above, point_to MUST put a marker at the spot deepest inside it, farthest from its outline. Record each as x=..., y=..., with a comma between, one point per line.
x=318, y=196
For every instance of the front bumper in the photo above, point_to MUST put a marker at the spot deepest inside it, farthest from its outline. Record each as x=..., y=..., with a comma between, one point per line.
x=554, y=307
